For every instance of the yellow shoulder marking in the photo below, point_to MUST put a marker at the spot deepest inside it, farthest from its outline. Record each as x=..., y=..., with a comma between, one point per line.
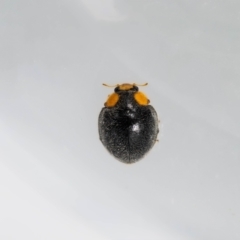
x=141, y=98
x=112, y=100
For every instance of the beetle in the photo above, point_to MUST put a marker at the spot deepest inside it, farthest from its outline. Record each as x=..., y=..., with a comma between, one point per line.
x=127, y=124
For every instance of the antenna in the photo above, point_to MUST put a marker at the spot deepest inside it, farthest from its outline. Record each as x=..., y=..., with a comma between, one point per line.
x=142, y=85
x=106, y=85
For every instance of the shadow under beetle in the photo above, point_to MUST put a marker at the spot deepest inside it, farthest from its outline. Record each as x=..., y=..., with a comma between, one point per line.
x=127, y=125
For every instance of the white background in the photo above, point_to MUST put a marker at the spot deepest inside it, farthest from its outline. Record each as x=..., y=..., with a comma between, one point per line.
x=57, y=181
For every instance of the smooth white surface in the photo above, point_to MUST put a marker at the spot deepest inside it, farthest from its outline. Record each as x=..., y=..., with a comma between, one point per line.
x=56, y=179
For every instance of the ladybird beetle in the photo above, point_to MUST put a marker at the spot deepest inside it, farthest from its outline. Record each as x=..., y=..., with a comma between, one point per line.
x=127, y=125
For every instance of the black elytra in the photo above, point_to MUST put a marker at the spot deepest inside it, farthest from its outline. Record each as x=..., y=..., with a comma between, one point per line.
x=128, y=126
